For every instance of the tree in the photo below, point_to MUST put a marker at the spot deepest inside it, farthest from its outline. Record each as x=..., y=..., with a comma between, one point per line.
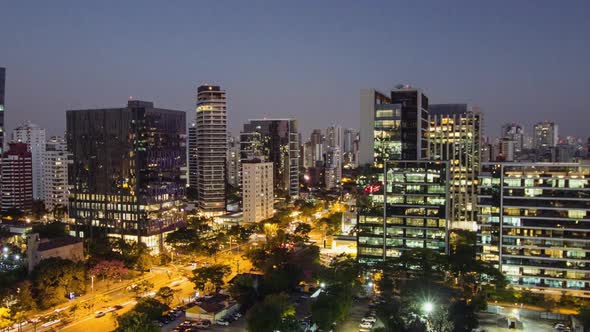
x=54, y=278
x=5, y=321
x=141, y=287
x=244, y=289
x=144, y=262
x=73, y=309
x=24, y=300
x=463, y=317
x=109, y=270
x=331, y=306
x=38, y=210
x=134, y=321
x=151, y=307
x=166, y=294
x=301, y=233
x=51, y=230
x=270, y=314
x=210, y=276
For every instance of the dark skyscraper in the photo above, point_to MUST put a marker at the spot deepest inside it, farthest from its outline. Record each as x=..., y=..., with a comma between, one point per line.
x=2, y=110
x=396, y=126
x=126, y=175
x=276, y=140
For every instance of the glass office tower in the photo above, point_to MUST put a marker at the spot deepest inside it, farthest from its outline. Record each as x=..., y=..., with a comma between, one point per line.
x=126, y=174
x=408, y=210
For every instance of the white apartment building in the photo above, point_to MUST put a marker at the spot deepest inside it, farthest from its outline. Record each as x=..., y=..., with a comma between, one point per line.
x=56, y=163
x=257, y=190
x=34, y=136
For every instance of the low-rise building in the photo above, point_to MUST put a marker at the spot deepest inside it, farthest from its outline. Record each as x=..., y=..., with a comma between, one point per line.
x=212, y=308
x=67, y=247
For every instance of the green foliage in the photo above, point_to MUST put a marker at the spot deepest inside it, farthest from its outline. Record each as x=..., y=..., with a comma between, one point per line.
x=141, y=287
x=134, y=321
x=50, y=230
x=463, y=316
x=24, y=300
x=166, y=294
x=244, y=290
x=151, y=307
x=331, y=306
x=275, y=313
x=210, y=276
x=332, y=224
x=5, y=320
x=54, y=278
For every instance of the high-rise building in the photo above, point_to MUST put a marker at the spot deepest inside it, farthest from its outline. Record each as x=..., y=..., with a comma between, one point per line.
x=317, y=146
x=34, y=136
x=514, y=132
x=545, y=135
x=192, y=157
x=350, y=135
x=534, y=224
x=211, y=124
x=17, y=178
x=506, y=149
x=455, y=135
x=409, y=210
x=276, y=141
x=257, y=190
x=333, y=168
x=334, y=137
x=126, y=177
x=2, y=106
x=386, y=122
x=233, y=162
x=56, y=161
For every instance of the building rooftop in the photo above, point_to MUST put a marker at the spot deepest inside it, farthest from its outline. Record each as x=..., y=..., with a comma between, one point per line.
x=58, y=242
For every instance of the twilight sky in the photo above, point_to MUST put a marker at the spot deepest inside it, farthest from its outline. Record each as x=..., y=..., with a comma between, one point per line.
x=520, y=61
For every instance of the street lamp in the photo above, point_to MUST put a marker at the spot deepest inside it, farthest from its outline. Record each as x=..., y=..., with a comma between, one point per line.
x=427, y=307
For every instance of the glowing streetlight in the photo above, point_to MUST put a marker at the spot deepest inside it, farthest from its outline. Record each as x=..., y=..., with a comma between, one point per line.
x=427, y=307
x=370, y=284
x=323, y=285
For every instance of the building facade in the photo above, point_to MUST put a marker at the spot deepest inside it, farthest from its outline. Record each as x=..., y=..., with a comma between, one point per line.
x=126, y=177
x=17, y=178
x=34, y=136
x=454, y=135
x=514, y=132
x=534, y=225
x=56, y=162
x=408, y=210
x=211, y=139
x=389, y=121
x=192, y=157
x=545, y=135
x=233, y=162
x=2, y=106
x=257, y=190
x=276, y=141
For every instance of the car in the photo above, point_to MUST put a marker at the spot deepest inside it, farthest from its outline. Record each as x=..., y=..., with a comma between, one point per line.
x=99, y=314
x=369, y=319
x=222, y=322
x=202, y=324
x=366, y=325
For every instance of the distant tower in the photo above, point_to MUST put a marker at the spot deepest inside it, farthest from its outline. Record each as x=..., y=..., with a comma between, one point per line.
x=56, y=163
x=257, y=190
x=211, y=139
x=545, y=135
x=17, y=182
x=2, y=109
x=34, y=136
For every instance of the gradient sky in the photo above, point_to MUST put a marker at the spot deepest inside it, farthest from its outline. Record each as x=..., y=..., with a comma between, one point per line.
x=520, y=61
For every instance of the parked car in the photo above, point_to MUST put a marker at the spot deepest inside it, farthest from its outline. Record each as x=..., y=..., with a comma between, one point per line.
x=369, y=319
x=99, y=314
x=202, y=324
x=222, y=322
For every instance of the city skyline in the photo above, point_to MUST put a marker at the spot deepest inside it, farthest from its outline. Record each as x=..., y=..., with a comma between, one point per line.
x=457, y=57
